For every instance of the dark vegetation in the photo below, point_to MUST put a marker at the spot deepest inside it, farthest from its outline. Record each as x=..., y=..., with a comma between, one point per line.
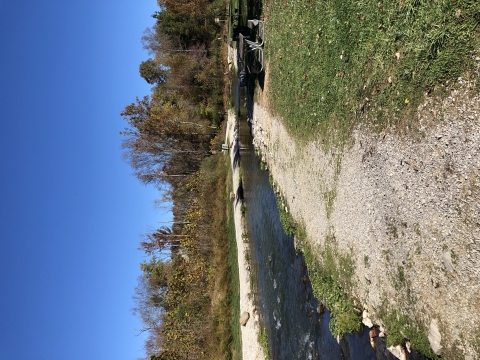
x=188, y=291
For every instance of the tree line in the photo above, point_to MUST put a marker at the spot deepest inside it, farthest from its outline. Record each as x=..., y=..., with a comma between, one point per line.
x=169, y=141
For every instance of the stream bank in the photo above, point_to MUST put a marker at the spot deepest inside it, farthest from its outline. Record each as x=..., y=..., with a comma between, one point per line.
x=405, y=209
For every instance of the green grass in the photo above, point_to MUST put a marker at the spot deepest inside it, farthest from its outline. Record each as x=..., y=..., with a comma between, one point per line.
x=400, y=327
x=330, y=61
x=263, y=340
x=288, y=223
x=331, y=275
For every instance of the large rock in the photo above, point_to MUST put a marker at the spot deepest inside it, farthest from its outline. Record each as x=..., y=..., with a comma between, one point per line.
x=434, y=337
x=244, y=318
x=447, y=261
x=398, y=351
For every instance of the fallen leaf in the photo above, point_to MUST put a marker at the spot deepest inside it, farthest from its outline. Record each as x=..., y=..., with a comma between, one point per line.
x=407, y=101
x=457, y=14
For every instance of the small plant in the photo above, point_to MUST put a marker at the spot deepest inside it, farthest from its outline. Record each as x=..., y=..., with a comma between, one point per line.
x=418, y=248
x=400, y=327
x=298, y=251
x=387, y=254
x=392, y=230
x=329, y=197
x=242, y=209
x=400, y=281
x=365, y=261
x=263, y=340
x=454, y=257
x=416, y=228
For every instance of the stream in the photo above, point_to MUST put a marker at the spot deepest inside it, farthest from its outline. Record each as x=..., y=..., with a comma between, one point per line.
x=282, y=290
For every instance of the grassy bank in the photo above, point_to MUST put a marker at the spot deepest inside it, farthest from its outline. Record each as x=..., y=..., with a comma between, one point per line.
x=335, y=63
x=225, y=290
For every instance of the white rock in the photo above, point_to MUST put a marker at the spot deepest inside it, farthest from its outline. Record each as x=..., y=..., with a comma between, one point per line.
x=367, y=322
x=447, y=261
x=434, y=337
x=398, y=352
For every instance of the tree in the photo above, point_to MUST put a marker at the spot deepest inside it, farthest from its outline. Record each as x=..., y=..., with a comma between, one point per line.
x=152, y=72
x=163, y=239
x=148, y=304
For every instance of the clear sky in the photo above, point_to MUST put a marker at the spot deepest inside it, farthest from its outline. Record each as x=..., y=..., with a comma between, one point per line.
x=70, y=210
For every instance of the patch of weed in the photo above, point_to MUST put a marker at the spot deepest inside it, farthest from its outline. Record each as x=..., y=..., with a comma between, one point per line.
x=416, y=228
x=401, y=328
x=392, y=229
x=331, y=275
x=399, y=281
x=263, y=340
x=288, y=223
x=365, y=261
x=329, y=197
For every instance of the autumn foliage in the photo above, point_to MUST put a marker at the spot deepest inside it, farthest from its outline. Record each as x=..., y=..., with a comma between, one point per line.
x=183, y=291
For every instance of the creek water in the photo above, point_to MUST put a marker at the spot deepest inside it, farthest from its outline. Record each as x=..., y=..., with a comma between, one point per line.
x=282, y=290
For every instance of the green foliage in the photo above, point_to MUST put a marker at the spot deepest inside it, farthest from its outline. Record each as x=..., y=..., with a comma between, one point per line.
x=399, y=281
x=286, y=219
x=329, y=197
x=152, y=72
x=400, y=327
x=365, y=261
x=330, y=61
x=331, y=275
x=263, y=340
x=270, y=180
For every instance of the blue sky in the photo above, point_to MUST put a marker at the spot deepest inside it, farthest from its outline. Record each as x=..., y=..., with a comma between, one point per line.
x=70, y=211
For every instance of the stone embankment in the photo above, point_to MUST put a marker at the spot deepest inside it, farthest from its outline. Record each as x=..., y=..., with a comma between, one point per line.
x=250, y=327
x=406, y=208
